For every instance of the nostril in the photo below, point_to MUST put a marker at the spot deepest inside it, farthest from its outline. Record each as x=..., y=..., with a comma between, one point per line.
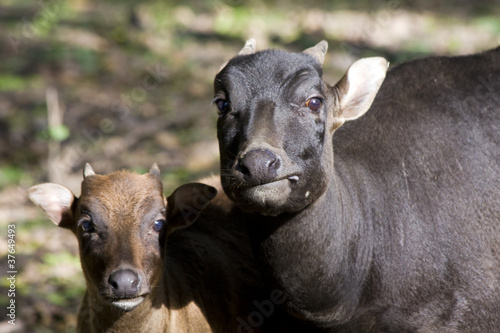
x=113, y=283
x=274, y=165
x=274, y=162
x=240, y=166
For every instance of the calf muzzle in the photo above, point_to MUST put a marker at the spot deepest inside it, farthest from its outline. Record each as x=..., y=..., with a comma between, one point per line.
x=126, y=289
x=124, y=283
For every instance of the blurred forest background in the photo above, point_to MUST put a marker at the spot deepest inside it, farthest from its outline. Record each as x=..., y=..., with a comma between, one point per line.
x=123, y=84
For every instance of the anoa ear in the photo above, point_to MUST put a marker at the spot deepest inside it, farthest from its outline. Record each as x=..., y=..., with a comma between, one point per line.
x=185, y=204
x=359, y=86
x=56, y=201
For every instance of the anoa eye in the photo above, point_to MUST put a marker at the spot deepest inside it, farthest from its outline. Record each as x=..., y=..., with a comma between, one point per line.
x=87, y=226
x=314, y=104
x=158, y=225
x=222, y=106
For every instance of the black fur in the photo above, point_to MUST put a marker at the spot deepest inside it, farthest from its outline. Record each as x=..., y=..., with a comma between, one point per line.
x=400, y=231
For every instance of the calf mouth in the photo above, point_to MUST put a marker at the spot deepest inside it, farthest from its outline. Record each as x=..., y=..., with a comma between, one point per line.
x=126, y=304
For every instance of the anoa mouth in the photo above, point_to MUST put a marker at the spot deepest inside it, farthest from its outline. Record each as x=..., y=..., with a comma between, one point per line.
x=292, y=178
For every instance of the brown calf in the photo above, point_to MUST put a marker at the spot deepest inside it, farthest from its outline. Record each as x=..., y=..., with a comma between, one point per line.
x=201, y=280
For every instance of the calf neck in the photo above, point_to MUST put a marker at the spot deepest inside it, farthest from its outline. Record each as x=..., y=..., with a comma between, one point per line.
x=373, y=214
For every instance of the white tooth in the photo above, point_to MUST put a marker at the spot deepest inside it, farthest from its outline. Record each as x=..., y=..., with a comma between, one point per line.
x=307, y=194
x=293, y=178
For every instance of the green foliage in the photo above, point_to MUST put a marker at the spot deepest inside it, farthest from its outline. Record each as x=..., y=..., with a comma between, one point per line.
x=233, y=22
x=9, y=82
x=60, y=259
x=491, y=23
x=59, y=133
x=47, y=17
x=175, y=177
x=9, y=175
x=69, y=280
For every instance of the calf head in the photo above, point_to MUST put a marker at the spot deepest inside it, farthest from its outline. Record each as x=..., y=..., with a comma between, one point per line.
x=118, y=221
x=276, y=121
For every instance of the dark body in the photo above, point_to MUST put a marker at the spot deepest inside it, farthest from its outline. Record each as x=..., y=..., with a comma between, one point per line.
x=399, y=228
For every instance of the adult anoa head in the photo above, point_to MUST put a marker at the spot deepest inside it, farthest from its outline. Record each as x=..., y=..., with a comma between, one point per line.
x=276, y=121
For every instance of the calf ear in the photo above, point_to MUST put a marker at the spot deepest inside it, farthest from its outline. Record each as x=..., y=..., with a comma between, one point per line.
x=359, y=86
x=56, y=201
x=186, y=203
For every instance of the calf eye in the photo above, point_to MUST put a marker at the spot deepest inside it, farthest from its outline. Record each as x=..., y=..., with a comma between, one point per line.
x=87, y=226
x=158, y=225
x=313, y=104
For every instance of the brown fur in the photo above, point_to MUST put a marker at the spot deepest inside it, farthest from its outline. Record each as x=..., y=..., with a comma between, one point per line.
x=201, y=280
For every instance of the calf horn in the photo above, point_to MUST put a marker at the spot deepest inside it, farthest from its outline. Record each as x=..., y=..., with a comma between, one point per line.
x=155, y=170
x=88, y=171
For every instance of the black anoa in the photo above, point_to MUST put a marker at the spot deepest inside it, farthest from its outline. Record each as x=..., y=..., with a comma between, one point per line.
x=372, y=214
